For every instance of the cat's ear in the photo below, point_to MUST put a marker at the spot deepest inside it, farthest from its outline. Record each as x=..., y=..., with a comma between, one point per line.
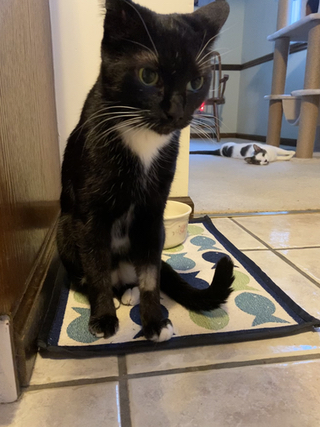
x=257, y=149
x=121, y=15
x=118, y=12
x=213, y=16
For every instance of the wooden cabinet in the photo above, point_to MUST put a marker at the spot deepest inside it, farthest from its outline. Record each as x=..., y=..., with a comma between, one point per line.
x=29, y=165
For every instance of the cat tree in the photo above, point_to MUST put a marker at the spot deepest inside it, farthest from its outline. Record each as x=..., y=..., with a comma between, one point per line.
x=307, y=29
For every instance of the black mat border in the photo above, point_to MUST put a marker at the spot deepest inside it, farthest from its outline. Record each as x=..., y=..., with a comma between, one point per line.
x=60, y=296
x=57, y=305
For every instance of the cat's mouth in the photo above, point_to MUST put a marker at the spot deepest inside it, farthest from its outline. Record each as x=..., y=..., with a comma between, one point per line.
x=167, y=127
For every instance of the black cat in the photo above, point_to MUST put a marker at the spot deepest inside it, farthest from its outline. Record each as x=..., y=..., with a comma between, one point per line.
x=120, y=161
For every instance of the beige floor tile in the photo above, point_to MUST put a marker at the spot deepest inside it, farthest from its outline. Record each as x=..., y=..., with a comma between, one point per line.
x=274, y=395
x=48, y=370
x=296, y=286
x=307, y=343
x=307, y=260
x=240, y=238
x=83, y=406
x=285, y=231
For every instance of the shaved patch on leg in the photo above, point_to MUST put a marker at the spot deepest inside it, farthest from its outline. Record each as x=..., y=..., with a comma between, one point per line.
x=148, y=278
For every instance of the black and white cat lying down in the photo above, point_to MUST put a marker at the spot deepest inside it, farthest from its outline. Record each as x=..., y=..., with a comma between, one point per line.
x=253, y=153
x=120, y=161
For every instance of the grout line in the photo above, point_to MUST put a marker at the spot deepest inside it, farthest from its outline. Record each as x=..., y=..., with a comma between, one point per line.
x=306, y=275
x=227, y=365
x=248, y=214
x=278, y=249
x=124, y=398
x=297, y=247
x=279, y=255
x=70, y=383
x=254, y=250
x=123, y=378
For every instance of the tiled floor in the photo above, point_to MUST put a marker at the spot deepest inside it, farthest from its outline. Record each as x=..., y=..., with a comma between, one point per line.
x=272, y=382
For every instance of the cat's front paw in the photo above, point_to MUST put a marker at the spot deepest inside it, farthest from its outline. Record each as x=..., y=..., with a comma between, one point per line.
x=104, y=326
x=159, y=332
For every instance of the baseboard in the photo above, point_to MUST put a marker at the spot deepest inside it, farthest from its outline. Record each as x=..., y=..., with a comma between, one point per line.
x=30, y=314
x=229, y=135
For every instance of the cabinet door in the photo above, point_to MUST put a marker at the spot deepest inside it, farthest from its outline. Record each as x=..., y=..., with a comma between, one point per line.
x=29, y=157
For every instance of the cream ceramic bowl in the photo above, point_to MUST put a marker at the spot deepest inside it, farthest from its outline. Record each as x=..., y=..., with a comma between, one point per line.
x=176, y=218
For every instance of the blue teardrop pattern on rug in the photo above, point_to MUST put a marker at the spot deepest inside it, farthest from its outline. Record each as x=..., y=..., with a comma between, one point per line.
x=135, y=314
x=203, y=242
x=78, y=328
x=194, y=281
x=135, y=317
x=213, y=257
x=180, y=262
x=259, y=306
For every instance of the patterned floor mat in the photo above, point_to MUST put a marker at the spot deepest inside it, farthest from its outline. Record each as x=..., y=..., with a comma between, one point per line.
x=257, y=308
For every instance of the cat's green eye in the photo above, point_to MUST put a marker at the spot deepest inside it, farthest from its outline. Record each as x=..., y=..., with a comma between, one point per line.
x=148, y=77
x=195, y=84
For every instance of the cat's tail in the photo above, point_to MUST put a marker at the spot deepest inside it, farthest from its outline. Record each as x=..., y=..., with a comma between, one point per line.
x=212, y=152
x=172, y=284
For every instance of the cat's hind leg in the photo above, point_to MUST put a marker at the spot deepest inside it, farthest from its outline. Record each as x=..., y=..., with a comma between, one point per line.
x=155, y=327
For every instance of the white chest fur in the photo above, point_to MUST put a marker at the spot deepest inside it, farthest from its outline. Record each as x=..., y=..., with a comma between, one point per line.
x=145, y=143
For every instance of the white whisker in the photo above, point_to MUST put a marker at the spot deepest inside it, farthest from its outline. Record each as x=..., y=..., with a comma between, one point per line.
x=212, y=38
x=202, y=64
x=207, y=127
x=142, y=45
x=203, y=134
x=204, y=47
x=105, y=134
x=96, y=114
x=128, y=124
x=216, y=119
x=203, y=38
x=113, y=117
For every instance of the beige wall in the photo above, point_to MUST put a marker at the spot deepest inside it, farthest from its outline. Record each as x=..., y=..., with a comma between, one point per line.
x=77, y=27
